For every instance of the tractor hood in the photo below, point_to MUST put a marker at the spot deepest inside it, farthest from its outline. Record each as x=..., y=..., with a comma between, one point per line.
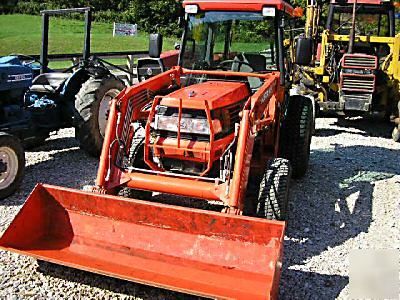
x=13, y=74
x=215, y=93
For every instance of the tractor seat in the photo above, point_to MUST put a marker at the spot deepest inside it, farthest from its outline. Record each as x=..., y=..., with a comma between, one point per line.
x=364, y=48
x=48, y=82
x=257, y=62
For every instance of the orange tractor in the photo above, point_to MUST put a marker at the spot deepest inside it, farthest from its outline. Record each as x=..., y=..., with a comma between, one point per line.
x=221, y=126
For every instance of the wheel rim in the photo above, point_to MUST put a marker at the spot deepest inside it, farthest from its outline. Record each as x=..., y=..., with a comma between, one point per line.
x=104, y=109
x=10, y=159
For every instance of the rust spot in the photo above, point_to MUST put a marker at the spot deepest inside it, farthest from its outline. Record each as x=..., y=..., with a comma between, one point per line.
x=213, y=221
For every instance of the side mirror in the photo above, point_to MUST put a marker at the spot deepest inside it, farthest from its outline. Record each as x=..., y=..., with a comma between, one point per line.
x=304, y=47
x=177, y=46
x=155, y=45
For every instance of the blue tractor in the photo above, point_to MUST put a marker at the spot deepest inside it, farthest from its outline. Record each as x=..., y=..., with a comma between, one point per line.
x=36, y=101
x=15, y=78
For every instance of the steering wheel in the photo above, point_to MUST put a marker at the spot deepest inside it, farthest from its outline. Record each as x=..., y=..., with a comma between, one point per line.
x=349, y=22
x=231, y=62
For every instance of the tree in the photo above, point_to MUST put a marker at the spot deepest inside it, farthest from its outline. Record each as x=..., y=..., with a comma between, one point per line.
x=7, y=5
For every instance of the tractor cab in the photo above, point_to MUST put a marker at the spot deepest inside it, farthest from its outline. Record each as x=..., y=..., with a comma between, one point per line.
x=372, y=18
x=237, y=41
x=218, y=38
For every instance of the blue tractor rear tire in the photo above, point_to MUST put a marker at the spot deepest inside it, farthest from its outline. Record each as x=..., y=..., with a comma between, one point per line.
x=89, y=127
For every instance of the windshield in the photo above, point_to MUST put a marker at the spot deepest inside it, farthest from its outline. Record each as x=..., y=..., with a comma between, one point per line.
x=236, y=41
x=369, y=21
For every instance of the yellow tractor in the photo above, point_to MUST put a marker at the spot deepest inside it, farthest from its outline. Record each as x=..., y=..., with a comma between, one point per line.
x=352, y=66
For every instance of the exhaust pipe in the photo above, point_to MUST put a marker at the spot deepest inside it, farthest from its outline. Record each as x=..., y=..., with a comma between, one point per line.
x=352, y=30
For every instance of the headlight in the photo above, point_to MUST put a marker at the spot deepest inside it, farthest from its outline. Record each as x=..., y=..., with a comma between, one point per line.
x=188, y=125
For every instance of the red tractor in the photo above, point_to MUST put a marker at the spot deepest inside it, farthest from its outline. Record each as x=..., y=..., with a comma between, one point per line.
x=221, y=126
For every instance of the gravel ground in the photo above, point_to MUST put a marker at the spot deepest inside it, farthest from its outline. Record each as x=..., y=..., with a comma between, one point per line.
x=349, y=199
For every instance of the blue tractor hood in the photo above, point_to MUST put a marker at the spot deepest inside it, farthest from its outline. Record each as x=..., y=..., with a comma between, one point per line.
x=14, y=74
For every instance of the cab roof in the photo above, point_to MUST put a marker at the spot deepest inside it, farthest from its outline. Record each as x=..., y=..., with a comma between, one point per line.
x=241, y=5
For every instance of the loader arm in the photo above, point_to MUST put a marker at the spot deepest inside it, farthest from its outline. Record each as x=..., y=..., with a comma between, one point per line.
x=126, y=108
x=259, y=113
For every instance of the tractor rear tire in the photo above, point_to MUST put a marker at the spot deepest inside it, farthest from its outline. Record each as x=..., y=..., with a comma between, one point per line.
x=296, y=133
x=12, y=164
x=136, y=153
x=273, y=196
x=92, y=104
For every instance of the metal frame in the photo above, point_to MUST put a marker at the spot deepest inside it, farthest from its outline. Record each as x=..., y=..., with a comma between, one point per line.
x=44, y=53
x=375, y=6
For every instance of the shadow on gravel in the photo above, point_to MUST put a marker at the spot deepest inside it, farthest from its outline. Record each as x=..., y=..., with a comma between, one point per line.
x=312, y=285
x=336, y=205
x=55, y=144
x=62, y=163
x=371, y=127
x=111, y=284
x=366, y=127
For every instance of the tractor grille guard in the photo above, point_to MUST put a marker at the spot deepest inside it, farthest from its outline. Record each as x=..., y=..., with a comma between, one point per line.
x=135, y=104
x=357, y=73
x=149, y=144
x=360, y=61
x=357, y=81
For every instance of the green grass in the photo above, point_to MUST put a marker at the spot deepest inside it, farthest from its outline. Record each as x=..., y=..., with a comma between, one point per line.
x=22, y=34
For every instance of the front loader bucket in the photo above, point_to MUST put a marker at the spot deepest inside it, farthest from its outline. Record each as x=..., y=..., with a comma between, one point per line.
x=189, y=250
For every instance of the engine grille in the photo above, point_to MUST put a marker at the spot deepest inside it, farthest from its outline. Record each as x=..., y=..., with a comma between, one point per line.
x=357, y=83
x=234, y=115
x=360, y=61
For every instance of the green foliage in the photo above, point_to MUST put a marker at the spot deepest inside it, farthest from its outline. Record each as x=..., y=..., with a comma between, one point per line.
x=156, y=15
x=151, y=16
x=253, y=32
x=7, y=6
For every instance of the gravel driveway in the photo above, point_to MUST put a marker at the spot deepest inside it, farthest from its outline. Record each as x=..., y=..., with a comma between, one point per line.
x=349, y=199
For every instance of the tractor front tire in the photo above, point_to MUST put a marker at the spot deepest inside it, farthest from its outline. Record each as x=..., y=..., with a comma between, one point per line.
x=92, y=107
x=136, y=154
x=296, y=133
x=273, y=197
x=12, y=164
